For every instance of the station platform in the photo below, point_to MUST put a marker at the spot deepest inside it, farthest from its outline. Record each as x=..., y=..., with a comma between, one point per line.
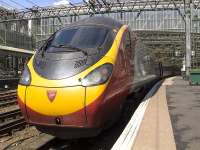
x=172, y=118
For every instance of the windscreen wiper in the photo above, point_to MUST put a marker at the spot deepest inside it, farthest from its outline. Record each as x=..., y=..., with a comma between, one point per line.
x=43, y=48
x=71, y=47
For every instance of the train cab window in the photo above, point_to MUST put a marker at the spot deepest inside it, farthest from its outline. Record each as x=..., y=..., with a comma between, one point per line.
x=127, y=40
x=129, y=48
x=88, y=38
x=64, y=37
x=73, y=45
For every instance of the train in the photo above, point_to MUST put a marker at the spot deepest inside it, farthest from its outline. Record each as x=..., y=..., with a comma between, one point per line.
x=77, y=82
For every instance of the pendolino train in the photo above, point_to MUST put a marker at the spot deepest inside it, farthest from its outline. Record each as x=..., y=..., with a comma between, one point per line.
x=77, y=82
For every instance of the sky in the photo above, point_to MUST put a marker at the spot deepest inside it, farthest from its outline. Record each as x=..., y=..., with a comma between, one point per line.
x=22, y=4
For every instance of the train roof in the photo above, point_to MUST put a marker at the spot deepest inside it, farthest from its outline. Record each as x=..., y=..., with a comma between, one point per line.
x=99, y=20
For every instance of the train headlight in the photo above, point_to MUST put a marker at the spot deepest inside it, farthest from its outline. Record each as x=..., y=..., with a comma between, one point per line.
x=26, y=77
x=98, y=76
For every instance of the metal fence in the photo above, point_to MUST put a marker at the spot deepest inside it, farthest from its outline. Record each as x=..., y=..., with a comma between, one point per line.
x=16, y=39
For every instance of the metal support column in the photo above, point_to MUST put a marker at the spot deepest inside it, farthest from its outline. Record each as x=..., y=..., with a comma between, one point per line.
x=29, y=27
x=188, y=36
x=16, y=65
x=5, y=38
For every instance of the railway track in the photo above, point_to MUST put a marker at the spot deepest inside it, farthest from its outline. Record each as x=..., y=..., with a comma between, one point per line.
x=8, y=98
x=8, y=103
x=10, y=115
x=8, y=92
x=10, y=120
x=12, y=125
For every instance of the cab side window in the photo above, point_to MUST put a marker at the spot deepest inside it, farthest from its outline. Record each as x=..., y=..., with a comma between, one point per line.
x=129, y=51
x=127, y=40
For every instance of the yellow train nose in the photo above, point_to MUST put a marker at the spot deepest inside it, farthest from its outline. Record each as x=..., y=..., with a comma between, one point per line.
x=55, y=101
x=61, y=106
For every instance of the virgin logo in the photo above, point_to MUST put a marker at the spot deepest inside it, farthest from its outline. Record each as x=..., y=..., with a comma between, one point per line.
x=51, y=95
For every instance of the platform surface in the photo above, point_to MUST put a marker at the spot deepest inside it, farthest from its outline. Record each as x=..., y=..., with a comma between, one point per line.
x=184, y=108
x=172, y=118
